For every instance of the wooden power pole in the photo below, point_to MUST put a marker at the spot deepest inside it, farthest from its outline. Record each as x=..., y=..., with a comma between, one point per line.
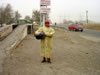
x=87, y=16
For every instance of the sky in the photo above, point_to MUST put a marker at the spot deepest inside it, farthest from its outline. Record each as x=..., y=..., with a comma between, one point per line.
x=60, y=9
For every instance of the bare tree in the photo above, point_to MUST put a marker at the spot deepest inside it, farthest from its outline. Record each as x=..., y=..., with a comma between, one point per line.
x=9, y=16
x=6, y=15
x=1, y=15
x=36, y=16
x=17, y=15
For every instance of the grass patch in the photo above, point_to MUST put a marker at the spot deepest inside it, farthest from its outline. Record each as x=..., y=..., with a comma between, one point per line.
x=92, y=26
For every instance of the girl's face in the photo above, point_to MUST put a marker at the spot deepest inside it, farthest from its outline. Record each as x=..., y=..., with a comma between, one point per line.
x=47, y=25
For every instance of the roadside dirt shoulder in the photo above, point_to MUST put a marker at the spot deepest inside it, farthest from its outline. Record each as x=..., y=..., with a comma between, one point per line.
x=71, y=55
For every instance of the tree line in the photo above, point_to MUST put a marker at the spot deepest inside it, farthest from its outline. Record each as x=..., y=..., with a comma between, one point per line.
x=9, y=16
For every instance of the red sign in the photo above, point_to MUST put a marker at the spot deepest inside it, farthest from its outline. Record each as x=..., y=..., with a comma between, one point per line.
x=45, y=2
x=44, y=10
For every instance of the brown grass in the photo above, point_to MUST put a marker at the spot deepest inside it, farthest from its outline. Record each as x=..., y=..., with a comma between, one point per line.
x=92, y=26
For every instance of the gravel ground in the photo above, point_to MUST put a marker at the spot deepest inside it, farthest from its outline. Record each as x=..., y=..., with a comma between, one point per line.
x=71, y=55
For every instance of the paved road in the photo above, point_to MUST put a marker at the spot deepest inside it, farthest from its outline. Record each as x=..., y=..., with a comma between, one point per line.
x=92, y=32
x=87, y=32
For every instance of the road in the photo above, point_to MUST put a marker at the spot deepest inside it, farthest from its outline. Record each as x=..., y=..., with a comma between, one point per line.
x=92, y=32
x=86, y=32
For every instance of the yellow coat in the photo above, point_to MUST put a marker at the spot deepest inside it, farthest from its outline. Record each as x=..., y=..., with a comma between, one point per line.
x=46, y=43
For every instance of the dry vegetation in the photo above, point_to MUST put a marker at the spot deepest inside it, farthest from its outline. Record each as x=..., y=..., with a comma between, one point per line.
x=92, y=26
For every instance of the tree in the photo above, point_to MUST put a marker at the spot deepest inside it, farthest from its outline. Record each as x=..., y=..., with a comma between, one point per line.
x=6, y=15
x=67, y=21
x=17, y=15
x=9, y=16
x=27, y=18
x=1, y=15
x=36, y=16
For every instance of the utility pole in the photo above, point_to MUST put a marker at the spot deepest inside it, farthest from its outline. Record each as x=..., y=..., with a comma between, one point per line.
x=87, y=16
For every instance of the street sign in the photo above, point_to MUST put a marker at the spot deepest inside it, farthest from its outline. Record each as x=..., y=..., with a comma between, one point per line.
x=44, y=10
x=45, y=2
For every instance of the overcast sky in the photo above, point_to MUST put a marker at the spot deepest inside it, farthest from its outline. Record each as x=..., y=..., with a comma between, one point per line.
x=60, y=9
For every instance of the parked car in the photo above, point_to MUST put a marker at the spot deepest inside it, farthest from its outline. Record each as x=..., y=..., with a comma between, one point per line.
x=75, y=27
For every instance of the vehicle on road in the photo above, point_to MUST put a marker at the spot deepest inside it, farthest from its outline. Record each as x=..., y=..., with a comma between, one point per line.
x=75, y=27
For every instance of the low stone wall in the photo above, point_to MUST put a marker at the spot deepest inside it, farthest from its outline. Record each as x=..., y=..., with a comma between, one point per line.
x=5, y=31
x=8, y=44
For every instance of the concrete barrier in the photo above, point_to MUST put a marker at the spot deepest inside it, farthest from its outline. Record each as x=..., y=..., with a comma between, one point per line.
x=5, y=31
x=8, y=44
